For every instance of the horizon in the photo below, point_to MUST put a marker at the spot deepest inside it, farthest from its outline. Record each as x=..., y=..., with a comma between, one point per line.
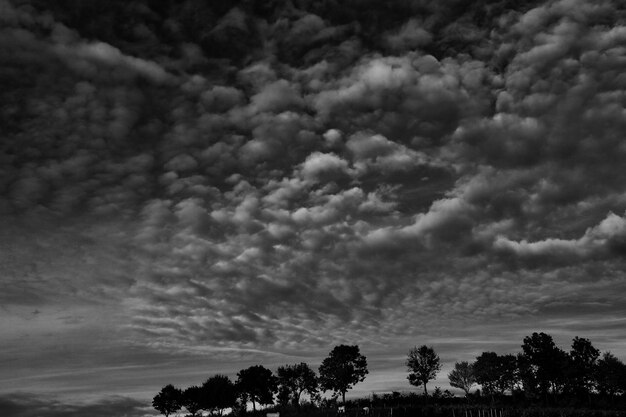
x=191, y=188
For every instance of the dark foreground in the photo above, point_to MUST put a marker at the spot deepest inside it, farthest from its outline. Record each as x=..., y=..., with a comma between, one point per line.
x=391, y=405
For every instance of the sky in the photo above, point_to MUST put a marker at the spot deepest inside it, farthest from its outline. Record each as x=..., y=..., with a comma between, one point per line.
x=191, y=188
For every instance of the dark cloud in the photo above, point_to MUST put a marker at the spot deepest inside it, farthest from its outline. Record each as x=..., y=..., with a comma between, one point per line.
x=27, y=405
x=605, y=239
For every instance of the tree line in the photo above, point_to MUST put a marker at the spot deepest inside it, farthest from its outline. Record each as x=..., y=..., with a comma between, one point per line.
x=543, y=371
x=341, y=370
x=540, y=372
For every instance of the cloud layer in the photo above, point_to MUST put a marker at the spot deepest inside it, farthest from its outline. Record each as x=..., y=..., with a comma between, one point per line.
x=295, y=176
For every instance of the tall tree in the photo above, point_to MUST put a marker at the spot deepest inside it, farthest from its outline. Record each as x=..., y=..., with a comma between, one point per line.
x=342, y=369
x=258, y=384
x=544, y=363
x=526, y=375
x=192, y=400
x=487, y=371
x=610, y=375
x=509, y=374
x=294, y=380
x=284, y=395
x=423, y=365
x=581, y=372
x=168, y=400
x=219, y=393
x=462, y=376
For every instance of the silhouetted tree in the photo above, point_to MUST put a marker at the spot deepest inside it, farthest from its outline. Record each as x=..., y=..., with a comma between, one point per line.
x=462, y=376
x=509, y=375
x=257, y=384
x=218, y=392
x=284, y=396
x=544, y=364
x=168, y=400
x=344, y=367
x=293, y=380
x=192, y=400
x=496, y=373
x=526, y=375
x=581, y=372
x=610, y=375
x=487, y=371
x=423, y=364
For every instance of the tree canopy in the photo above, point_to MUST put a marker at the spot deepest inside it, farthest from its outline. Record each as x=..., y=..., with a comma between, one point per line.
x=583, y=361
x=168, y=400
x=342, y=369
x=462, y=376
x=219, y=393
x=611, y=375
x=257, y=384
x=423, y=364
x=496, y=373
x=543, y=364
x=294, y=380
x=192, y=400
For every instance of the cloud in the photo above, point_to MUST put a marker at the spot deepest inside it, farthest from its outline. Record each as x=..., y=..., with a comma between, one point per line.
x=222, y=98
x=305, y=28
x=27, y=405
x=276, y=97
x=411, y=35
x=606, y=237
x=446, y=219
x=505, y=140
x=375, y=154
x=412, y=98
x=106, y=54
x=319, y=165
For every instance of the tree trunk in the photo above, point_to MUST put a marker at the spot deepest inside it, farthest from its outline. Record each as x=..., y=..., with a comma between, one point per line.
x=343, y=395
x=425, y=391
x=253, y=406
